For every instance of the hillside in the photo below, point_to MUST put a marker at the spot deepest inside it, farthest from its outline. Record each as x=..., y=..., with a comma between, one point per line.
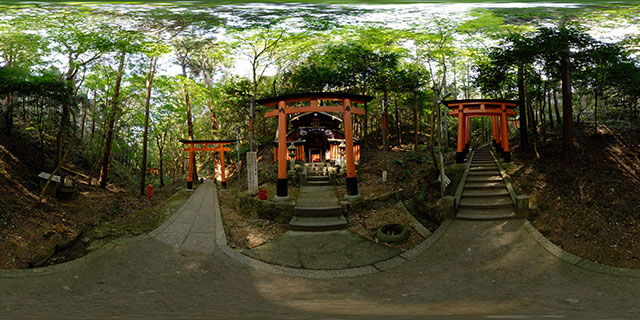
x=32, y=230
x=590, y=208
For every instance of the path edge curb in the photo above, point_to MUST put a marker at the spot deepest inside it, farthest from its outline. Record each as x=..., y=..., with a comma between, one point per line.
x=575, y=260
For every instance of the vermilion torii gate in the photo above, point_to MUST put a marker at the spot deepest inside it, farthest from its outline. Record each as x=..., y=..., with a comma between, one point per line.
x=498, y=110
x=205, y=146
x=281, y=111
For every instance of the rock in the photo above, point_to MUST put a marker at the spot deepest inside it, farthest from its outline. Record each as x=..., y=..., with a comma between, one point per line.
x=70, y=237
x=59, y=228
x=85, y=240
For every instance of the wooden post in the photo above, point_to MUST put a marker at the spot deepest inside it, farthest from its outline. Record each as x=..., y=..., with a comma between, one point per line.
x=461, y=137
x=494, y=131
x=281, y=188
x=468, y=131
x=352, y=180
x=190, y=179
x=506, y=153
x=223, y=183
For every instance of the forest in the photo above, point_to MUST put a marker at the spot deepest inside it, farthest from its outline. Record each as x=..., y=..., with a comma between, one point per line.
x=118, y=85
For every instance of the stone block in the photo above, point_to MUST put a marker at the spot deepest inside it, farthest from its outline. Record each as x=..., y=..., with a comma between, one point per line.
x=449, y=205
x=522, y=206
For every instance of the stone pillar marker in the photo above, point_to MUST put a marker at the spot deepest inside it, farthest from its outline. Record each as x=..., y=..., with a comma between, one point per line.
x=252, y=172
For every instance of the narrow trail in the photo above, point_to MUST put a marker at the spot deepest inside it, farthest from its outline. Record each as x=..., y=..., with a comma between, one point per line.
x=485, y=195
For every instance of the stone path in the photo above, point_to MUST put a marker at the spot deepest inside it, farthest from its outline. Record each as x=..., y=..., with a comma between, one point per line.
x=476, y=270
x=485, y=195
x=324, y=250
x=192, y=228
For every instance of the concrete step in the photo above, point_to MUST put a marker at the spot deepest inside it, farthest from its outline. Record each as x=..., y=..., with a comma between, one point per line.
x=318, y=182
x=317, y=178
x=485, y=185
x=482, y=173
x=483, y=167
x=483, y=203
x=495, y=214
x=493, y=178
x=318, y=211
x=318, y=223
x=485, y=192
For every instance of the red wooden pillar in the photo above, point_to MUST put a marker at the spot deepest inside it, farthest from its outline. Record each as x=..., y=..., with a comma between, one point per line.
x=222, y=149
x=281, y=187
x=352, y=181
x=468, y=131
x=506, y=152
x=461, y=137
x=190, y=178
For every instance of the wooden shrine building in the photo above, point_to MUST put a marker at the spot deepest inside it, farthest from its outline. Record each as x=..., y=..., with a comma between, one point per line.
x=315, y=131
x=317, y=137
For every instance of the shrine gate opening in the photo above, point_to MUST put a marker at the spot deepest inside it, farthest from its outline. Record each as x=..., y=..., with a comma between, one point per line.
x=281, y=111
x=204, y=145
x=498, y=110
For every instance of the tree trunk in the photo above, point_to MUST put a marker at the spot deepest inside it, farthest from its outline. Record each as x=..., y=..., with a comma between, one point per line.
x=416, y=123
x=524, y=139
x=548, y=96
x=595, y=112
x=8, y=116
x=366, y=118
x=104, y=172
x=145, y=135
x=398, y=123
x=83, y=119
x=187, y=101
x=555, y=106
x=532, y=118
x=567, y=106
x=93, y=116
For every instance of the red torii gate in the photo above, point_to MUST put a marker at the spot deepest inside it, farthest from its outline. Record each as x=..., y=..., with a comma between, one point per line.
x=205, y=147
x=281, y=111
x=498, y=110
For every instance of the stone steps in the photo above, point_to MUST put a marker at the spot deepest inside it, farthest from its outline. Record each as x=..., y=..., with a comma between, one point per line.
x=485, y=185
x=318, y=223
x=317, y=178
x=485, y=196
x=483, y=173
x=492, y=178
x=488, y=192
x=318, y=211
x=484, y=203
x=318, y=182
x=482, y=168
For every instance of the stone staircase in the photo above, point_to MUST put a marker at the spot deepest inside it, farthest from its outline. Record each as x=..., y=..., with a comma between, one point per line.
x=485, y=195
x=318, y=207
x=318, y=175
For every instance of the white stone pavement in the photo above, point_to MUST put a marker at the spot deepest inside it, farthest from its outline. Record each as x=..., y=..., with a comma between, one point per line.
x=192, y=227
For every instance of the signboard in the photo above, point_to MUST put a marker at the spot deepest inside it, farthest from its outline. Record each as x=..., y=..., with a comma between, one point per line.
x=252, y=172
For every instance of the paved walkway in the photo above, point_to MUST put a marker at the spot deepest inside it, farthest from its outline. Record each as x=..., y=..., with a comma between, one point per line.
x=478, y=269
x=192, y=228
